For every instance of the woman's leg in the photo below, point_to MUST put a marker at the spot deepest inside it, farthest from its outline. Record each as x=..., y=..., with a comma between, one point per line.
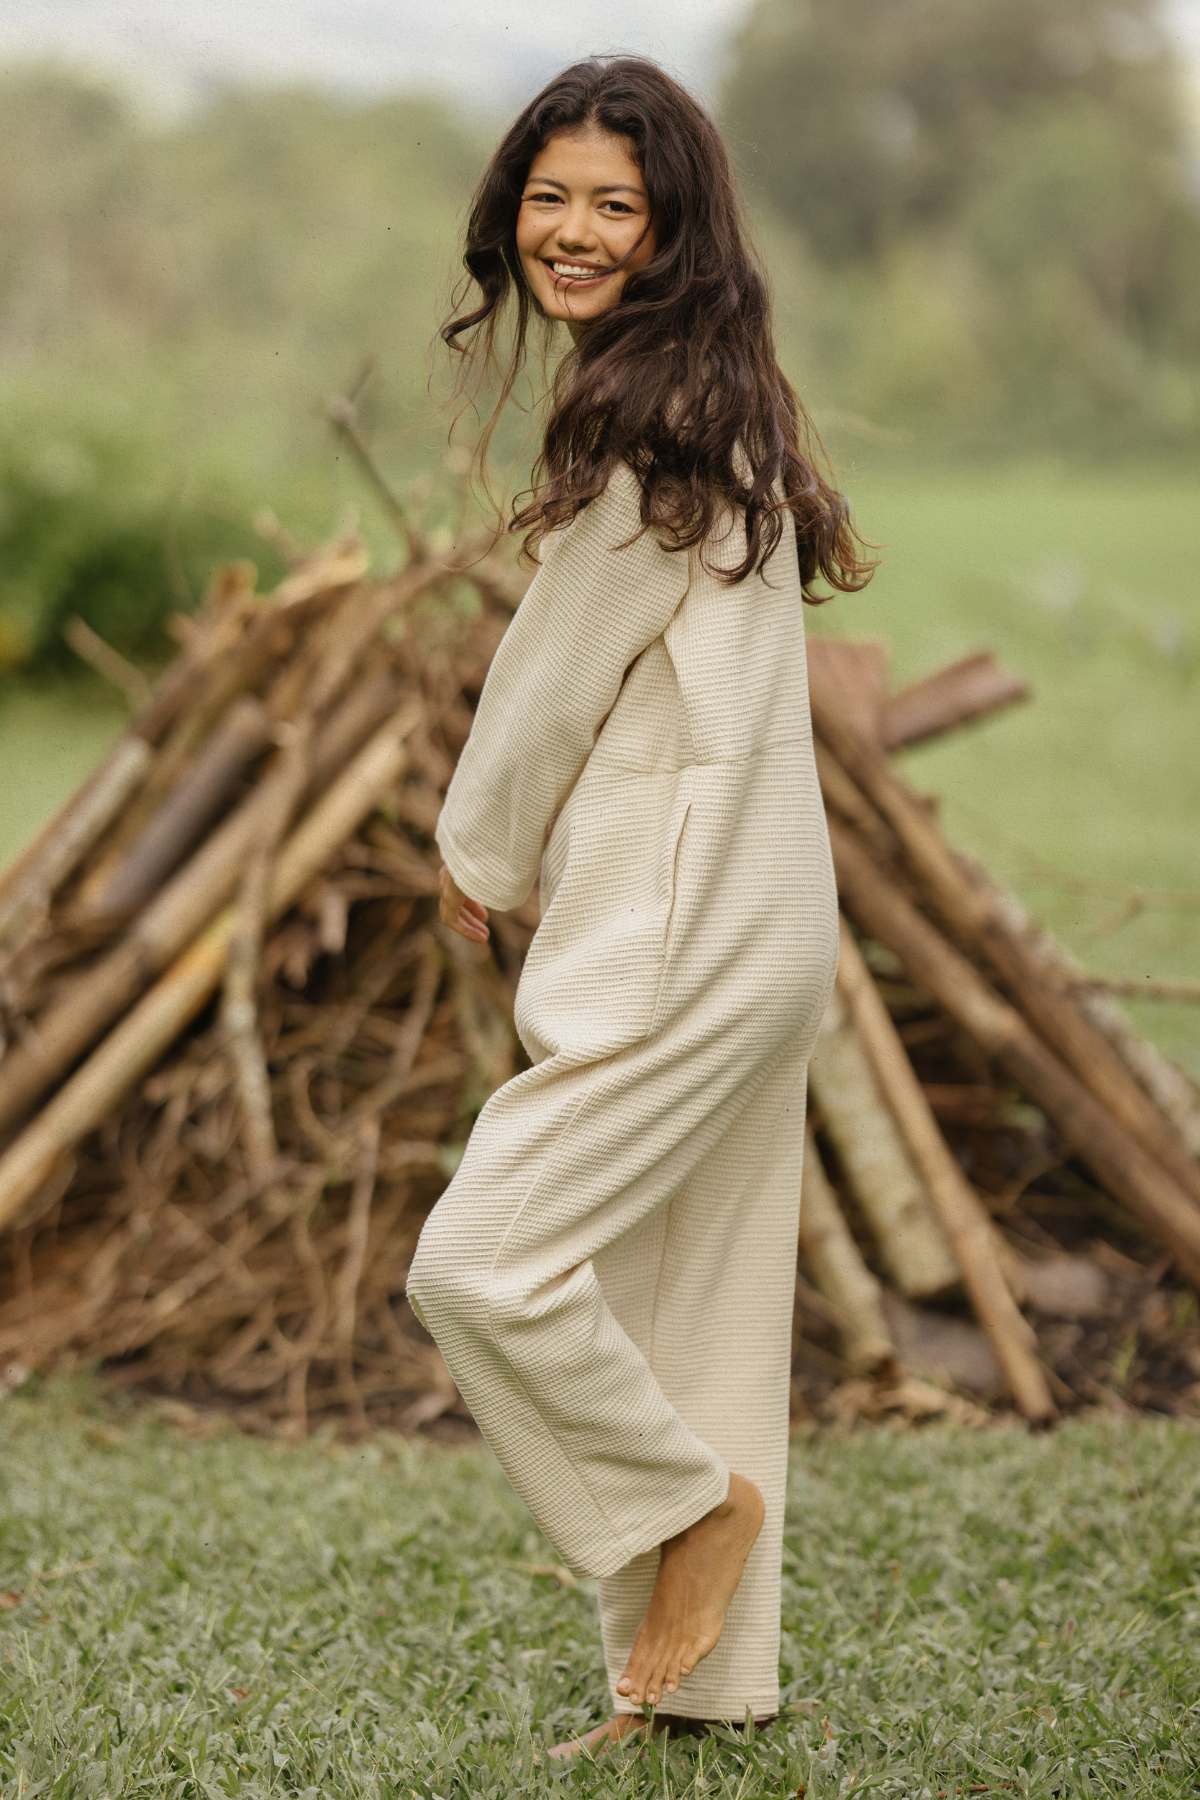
x=705, y=1287
x=565, y=1159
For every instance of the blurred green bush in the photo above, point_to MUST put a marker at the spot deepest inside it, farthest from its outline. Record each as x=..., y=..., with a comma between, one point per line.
x=85, y=530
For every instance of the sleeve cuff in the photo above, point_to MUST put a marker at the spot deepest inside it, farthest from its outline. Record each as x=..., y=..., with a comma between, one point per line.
x=474, y=880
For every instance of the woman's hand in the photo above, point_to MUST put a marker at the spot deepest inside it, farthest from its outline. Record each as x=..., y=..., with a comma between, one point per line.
x=459, y=912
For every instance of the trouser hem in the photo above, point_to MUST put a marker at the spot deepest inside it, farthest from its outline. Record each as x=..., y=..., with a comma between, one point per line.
x=702, y=1500
x=763, y=1711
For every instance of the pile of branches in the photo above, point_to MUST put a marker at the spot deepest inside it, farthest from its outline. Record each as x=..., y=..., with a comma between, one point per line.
x=986, y=1126
x=240, y=1055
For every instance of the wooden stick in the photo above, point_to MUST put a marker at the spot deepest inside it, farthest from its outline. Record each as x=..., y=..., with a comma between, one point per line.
x=1135, y=987
x=287, y=783
x=173, y=693
x=64, y=844
x=270, y=634
x=852, y=676
x=965, y=1221
x=185, y=812
x=171, y=920
x=136, y=1043
x=981, y=927
x=1099, y=1139
x=964, y=691
x=1168, y=1086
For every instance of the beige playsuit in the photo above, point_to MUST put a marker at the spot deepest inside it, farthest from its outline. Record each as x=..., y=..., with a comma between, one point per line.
x=610, y=1272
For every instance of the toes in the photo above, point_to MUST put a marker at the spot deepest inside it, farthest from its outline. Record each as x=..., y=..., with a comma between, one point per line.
x=641, y=1679
x=654, y=1671
x=631, y=1683
x=656, y=1683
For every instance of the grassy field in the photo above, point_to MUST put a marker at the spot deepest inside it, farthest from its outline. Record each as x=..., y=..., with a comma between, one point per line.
x=983, y=1613
x=1084, y=800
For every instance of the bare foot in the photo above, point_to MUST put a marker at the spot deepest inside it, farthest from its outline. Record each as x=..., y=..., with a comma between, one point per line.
x=622, y=1725
x=699, y=1569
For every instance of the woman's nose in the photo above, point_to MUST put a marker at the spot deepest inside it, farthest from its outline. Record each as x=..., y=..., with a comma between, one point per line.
x=567, y=235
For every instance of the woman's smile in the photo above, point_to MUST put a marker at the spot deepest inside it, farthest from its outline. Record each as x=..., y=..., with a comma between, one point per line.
x=571, y=274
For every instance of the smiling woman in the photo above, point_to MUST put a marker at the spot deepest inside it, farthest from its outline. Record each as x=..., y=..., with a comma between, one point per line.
x=610, y=1272
x=610, y=208
x=584, y=224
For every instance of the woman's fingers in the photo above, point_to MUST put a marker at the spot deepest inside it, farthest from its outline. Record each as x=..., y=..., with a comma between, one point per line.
x=472, y=927
x=459, y=911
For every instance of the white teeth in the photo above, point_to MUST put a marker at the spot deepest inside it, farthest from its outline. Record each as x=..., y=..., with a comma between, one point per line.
x=575, y=269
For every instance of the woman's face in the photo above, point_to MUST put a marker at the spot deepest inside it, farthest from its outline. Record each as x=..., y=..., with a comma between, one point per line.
x=583, y=202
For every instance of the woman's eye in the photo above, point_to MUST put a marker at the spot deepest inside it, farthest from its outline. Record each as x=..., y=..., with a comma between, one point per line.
x=619, y=203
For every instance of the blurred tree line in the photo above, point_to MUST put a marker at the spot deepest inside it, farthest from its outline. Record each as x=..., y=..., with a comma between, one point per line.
x=981, y=223
x=1006, y=195
x=175, y=305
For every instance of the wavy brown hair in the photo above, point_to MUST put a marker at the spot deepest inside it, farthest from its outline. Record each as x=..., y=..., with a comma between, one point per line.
x=679, y=376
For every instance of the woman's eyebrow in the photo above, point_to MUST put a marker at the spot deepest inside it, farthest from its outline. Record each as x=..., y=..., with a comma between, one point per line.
x=614, y=187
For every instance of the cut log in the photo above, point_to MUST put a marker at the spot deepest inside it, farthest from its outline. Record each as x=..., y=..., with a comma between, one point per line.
x=873, y=1158
x=833, y=1259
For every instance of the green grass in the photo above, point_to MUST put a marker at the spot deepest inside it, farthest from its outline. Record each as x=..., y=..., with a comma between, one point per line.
x=53, y=733
x=995, y=1612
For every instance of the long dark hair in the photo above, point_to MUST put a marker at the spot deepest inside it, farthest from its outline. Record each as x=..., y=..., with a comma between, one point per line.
x=679, y=376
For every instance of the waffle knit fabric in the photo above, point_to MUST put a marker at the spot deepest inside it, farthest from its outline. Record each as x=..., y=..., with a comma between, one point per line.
x=610, y=1272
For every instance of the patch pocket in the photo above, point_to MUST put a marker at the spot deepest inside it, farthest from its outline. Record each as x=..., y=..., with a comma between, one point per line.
x=673, y=889
x=671, y=917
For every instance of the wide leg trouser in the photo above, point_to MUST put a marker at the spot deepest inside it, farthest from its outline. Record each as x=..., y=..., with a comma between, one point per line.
x=705, y=1288
x=610, y=1277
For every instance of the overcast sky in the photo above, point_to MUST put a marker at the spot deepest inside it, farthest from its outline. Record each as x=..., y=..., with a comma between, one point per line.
x=493, y=55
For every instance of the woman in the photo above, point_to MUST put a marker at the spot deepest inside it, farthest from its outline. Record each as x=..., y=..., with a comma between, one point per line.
x=610, y=1272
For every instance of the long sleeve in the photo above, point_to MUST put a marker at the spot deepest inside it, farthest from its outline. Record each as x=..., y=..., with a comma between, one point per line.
x=589, y=612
